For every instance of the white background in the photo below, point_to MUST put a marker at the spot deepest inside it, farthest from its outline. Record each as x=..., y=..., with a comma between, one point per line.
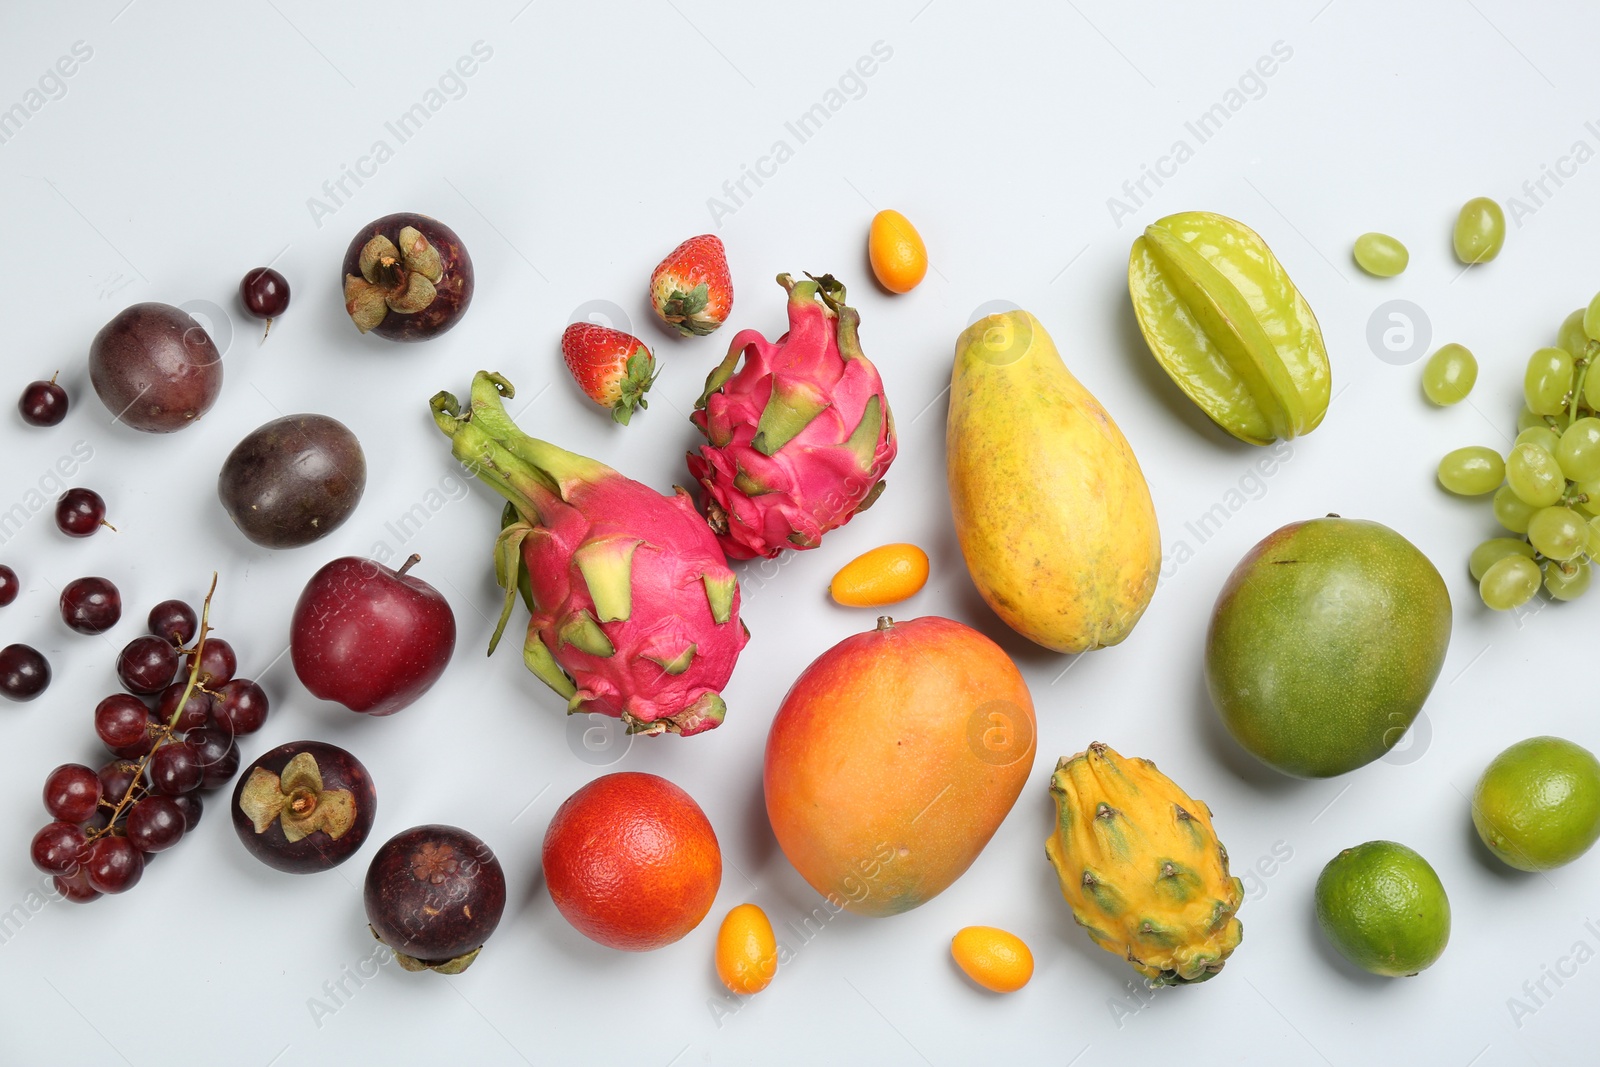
x=185, y=151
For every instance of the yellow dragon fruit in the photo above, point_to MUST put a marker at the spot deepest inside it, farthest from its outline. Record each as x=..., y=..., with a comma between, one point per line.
x=799, y=438
x=1142, y=868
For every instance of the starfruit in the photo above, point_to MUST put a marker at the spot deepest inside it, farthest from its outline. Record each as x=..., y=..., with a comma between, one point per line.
x=1228, y=326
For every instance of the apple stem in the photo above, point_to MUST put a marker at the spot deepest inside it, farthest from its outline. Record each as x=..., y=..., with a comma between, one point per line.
x=408, y=564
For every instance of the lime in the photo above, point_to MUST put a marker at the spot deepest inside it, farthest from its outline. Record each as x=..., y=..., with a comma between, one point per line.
x=1383, y=907
x=1537, y=805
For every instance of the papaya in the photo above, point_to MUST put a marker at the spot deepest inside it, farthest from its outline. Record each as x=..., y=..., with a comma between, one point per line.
x=1051, y=508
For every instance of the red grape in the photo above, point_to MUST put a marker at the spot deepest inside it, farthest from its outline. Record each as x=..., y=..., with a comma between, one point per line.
x=75, y=887
x=116, y=778
x=72, y=792
x=240, y=707
x=175, y=621
x=191, y=806
x=123, y=722
x=80, y=512
x=59, y=848
x=113, y=865
x=90, y=605
x=155, y=824
x=24, y=673
x=217, y=663
x=43, y=403
x=175, y=768
x=196, y=710
x=9, y=586
x=217, y=754
x=147, y=665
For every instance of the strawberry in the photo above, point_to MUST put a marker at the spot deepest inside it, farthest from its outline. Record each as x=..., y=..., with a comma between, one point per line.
x=614, y=368
x=691, y=290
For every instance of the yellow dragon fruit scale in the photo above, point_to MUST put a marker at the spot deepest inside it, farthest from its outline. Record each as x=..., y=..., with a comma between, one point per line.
x=1142, y=868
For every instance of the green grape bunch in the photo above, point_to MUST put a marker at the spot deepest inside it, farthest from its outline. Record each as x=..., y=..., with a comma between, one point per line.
x=1547, y=487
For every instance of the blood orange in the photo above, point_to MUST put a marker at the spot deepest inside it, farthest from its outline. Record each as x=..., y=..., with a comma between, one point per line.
x=632, y=862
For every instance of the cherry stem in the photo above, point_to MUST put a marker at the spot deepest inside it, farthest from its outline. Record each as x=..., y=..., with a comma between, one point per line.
x=408, y=564
x=266, y=332
x=172, y=724
x=54, y=376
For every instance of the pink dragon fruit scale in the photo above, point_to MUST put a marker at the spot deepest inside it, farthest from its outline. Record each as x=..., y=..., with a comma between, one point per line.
x=635, y=612
x=798, y=439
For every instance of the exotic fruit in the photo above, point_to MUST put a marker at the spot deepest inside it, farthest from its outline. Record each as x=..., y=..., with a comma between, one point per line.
x=1142, y=868
x=407, y=277
x=799, y=438
x=635, y=611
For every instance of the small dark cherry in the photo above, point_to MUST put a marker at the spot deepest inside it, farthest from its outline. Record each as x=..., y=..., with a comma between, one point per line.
x=43, y=403
x=81, y=512
x=265, y=294
x=9, y=585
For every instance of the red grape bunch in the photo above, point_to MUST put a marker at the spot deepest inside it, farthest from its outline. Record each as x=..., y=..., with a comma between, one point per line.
x=172, y=734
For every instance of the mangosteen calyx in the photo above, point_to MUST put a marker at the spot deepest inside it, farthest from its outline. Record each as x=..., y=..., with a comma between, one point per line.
x=297, y=801
x=454, y=966
x=400, y=279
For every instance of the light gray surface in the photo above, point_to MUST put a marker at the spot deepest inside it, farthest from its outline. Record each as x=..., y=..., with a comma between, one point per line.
x=190, y=146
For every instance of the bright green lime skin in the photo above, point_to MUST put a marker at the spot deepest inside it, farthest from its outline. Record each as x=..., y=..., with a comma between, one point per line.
x=1537, y=806
x=1383, y=907
x=1324, y=644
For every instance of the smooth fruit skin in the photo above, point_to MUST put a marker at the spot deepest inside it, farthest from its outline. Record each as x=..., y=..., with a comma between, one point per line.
x=370, y=638
x=886, y=575
x=434, y=894
x=894, y=248
x=1052, y=511
x=747, y=950
x=1537, y=805
x=293, y=481
x=1324, y=643
x=997, y=960
x=894, y=758
x=319, y=850
x=1383, y=907
x=155, y=368
x=632, y=862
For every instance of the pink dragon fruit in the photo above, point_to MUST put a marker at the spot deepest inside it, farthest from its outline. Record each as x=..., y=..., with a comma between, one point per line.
x=635, y=612
x=799, y=438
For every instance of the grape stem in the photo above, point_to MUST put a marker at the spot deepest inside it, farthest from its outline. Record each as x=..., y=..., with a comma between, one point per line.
x=165, y=732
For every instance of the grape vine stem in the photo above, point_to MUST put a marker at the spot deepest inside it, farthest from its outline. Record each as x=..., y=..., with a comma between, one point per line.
x=165, y=733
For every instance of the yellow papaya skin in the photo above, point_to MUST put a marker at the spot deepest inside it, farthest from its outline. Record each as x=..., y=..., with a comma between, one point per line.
x=1051, y=509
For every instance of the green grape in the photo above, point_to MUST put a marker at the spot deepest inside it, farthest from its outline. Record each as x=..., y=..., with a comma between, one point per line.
x=1546, y=381
x=1380, y=255
x=1510, y=511
x=1591, y=388
x=1472, y=471
x=1593, y=548
x=1591, y=318
x=1449, y=375
x=1493, y=551
x=1558, y=533
x=1535, y=476
x=1579, y=451
x=1571, y=335
x=1540, y=435
x=1527, y=420
x=1480, y=230
x=1510, y=583
x=1567, y=585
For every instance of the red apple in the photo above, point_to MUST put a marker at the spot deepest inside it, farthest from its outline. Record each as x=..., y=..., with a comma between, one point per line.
x=370, y=638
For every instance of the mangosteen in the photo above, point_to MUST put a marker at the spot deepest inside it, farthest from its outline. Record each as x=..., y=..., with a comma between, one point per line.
x=434, y=894
x=407, y=278
x=304, y=807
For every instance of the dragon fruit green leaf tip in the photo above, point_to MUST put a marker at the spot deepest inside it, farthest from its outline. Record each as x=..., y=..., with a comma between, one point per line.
x=799, y=437
x=635, y=613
